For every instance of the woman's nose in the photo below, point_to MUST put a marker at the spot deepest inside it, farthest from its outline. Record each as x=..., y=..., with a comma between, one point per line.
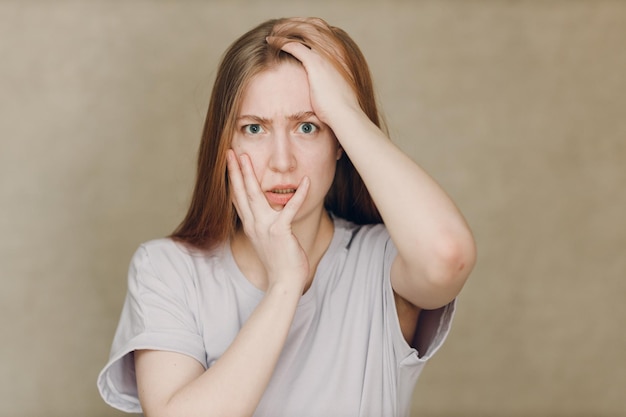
x=282, y=158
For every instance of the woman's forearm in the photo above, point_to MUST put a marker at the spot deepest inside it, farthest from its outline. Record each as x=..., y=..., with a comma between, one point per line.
x=234, y=385
x=431, y=234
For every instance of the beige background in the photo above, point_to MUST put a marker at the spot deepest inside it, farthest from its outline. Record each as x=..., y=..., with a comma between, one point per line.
x=517, y=107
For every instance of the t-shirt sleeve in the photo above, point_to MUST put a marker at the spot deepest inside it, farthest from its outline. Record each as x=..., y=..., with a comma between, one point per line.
x=433, y=328
x=158, y=314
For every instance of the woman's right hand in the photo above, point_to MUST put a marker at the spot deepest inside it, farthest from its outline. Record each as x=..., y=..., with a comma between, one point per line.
x=269, y=230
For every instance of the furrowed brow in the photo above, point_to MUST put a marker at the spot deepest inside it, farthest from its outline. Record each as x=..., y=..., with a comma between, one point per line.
x=302, y=116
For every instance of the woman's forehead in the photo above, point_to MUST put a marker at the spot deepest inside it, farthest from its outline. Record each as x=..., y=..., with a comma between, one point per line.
x=282, y=88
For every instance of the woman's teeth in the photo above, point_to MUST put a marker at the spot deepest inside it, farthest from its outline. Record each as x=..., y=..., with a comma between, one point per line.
x=284, y=191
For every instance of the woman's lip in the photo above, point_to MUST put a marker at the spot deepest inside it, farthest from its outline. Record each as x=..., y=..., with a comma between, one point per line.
x=280, y=194
x=279, y=199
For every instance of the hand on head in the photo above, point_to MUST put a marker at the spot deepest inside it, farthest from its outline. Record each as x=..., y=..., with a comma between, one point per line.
x=331, y=94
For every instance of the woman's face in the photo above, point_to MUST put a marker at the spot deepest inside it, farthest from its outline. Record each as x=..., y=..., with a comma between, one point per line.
x=277, y=128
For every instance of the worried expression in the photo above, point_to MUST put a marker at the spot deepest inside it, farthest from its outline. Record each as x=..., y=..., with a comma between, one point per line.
x=277, y=128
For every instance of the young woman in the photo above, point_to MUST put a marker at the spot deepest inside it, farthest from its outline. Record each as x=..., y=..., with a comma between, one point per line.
x=315, y=271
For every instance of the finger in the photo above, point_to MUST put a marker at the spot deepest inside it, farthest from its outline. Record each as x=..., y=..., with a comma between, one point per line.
x=251, y=183
x=293, y=205
x=239, y=196
x=299, y=51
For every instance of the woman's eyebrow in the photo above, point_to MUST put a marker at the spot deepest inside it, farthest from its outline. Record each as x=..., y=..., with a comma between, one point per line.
x=302, y=116
x=258, y=119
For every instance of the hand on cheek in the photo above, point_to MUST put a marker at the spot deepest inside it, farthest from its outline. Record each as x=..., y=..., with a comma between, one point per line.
x=268, y=229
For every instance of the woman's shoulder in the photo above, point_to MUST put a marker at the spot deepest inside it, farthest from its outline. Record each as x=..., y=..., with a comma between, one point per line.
x=166, y=257
x=343, y=225
x=173, y=249
x=359, y=235
x=162, y=243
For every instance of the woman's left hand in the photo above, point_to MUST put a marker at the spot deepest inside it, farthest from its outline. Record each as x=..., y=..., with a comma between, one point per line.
x=331, y=94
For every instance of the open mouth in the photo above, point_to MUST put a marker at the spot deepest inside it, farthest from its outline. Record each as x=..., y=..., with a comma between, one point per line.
x=284, y=191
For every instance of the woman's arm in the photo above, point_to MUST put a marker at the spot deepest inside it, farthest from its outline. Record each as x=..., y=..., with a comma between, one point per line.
x=436, y=249
x=173, y=385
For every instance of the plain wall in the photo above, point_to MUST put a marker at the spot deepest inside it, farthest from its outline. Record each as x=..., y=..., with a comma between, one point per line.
x=516, y=107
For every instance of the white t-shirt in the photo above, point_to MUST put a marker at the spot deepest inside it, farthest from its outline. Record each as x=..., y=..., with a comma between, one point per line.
x=344, y=356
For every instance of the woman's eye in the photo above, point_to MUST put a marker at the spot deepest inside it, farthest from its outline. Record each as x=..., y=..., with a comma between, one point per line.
x=253, y=129
x=307, y=128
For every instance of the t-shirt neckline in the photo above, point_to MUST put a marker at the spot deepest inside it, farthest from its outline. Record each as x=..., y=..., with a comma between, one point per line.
x=320, y=274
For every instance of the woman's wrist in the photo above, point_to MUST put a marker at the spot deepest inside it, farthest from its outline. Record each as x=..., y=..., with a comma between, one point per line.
x=286, y=288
